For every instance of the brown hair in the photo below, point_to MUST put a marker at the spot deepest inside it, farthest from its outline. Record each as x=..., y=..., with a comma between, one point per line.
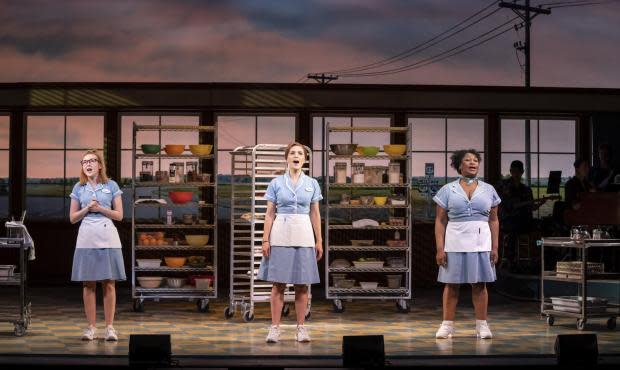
x=291, y=145
x=103, y=177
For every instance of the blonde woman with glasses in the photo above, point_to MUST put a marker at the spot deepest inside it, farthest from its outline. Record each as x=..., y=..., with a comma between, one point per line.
x=96, y=201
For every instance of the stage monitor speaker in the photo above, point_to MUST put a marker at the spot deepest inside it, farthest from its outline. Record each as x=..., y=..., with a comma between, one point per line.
x=363, y=351
x=150, y=350
x=576, y=350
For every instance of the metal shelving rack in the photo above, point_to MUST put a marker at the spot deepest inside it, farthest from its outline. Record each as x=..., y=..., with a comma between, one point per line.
x=252, y=169
x=16, y=239
x=207, y=189
x=584, y=311
x=401, y=295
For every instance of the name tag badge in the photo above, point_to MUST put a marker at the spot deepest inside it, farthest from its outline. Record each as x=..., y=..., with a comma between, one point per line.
x=107, y=191
x=309, y=189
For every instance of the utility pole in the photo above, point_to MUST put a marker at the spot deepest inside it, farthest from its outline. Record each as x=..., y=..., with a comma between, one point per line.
x=322, y=78
x=525, y=12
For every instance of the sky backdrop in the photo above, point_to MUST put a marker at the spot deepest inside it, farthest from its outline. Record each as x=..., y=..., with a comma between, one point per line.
x=281, y=41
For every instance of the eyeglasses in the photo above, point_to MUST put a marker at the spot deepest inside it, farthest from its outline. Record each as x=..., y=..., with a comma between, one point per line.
x=89, y=161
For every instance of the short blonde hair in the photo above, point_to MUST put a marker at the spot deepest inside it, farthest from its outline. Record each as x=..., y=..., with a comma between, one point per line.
x=103, y=176
x=291, y=145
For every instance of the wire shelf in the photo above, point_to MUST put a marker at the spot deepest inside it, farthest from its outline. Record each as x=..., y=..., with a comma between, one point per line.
x=381, y=227
x=371, y=248
x=154, y=184
x=172, y=248
x=174, y=269
x=164, y=226
x=368, y=129
x=369, y=186
x=368, y=269
x=174, y=128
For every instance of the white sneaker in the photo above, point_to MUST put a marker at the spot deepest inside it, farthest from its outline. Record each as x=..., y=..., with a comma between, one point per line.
x=445, y=331
x=110, y=334
x=90, y=333
x=274, y=334
x=302, y=334
x=482, y=330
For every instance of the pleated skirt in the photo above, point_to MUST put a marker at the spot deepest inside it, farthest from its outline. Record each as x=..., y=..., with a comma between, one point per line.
x=96, y=264
x=290, y=265
x=467, y=268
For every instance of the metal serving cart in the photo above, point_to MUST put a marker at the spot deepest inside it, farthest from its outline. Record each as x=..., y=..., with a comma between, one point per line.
x=17, y=238
x=372, y=245
x=580, y=307
x=252, y=169
x=203, y=222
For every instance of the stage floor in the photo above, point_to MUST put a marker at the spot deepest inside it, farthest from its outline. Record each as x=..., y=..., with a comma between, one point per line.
x=58, y=321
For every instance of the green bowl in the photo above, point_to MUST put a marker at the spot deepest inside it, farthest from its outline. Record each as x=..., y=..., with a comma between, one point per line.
x=150, y=148
x=371, y=150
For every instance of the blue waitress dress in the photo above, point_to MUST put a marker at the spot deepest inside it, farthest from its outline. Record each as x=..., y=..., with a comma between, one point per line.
x=468, y=235
x=98, y=255
x=292, y=258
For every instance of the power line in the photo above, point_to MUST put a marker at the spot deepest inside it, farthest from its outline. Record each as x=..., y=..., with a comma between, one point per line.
x=443, y=58
x=582, y=4
x=413, y=50
x=576, y=2
x=431, y=59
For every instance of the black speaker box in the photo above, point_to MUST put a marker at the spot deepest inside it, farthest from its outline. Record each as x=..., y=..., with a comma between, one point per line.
x=150, y=349
x=576, y=350
x=363, y=351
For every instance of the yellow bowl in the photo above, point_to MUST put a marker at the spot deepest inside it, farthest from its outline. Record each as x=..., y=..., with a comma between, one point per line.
x=395, y=149
x=380, y=201
x=359, y=150
x=175, y=261
x=174, y=149
x=197, y=240
x=201, y=149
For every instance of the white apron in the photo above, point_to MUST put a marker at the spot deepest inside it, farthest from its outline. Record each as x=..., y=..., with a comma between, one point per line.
x=292, y=230
x=97, y=233
x=468, y=236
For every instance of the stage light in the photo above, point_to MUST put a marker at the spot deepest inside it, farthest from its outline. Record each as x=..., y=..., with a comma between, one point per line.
x=150, y=350
x=363, y=351
x=576, y=350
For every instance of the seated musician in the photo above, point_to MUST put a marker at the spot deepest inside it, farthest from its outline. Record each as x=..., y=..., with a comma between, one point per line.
x=602, y=175
x=578, y=184
x=515, y=212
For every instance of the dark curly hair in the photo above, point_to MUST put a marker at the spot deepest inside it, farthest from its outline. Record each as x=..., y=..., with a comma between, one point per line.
x=457, y=157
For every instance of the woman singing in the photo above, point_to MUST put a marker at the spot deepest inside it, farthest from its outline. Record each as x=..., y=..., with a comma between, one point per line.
x=292, y=242
x=96, y=201
x=466, y=234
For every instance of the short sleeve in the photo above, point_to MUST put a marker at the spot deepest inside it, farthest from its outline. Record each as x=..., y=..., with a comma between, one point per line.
x=270, y=194
x=441, y=198
x=75, y=193
x=495, y=199
x=116, y=191
x=316, y=196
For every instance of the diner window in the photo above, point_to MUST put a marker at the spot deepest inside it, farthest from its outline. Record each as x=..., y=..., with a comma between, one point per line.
x=236, y=131
x=55, y=145
x=434, y=139
x=552, y=148
x=4, y=166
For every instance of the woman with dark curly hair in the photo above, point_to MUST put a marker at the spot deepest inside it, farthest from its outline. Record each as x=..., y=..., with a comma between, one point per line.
x=466, y=235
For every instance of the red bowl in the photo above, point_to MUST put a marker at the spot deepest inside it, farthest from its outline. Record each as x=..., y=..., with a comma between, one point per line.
x=180, y=197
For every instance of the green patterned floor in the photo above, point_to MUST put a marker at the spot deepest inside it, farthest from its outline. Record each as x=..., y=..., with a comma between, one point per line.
x=57, y=324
